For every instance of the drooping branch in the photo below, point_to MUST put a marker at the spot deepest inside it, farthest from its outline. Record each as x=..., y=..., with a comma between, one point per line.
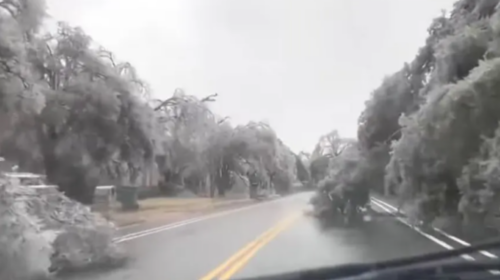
x=164, y=103
x=9, y=6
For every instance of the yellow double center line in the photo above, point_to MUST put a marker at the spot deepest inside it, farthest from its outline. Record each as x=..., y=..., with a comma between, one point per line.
x=235, y=263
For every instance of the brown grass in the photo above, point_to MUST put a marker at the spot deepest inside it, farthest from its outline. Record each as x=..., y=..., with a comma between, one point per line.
x=164, y=208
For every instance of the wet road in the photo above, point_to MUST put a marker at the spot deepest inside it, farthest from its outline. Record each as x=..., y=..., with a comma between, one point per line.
x=266, y=238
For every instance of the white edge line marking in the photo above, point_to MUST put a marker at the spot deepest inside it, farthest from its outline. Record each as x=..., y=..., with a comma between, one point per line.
x=385, y=203
x=454, y=238
x=166, y=227
x=428, y=236
x=466, y=257
x=139, y=234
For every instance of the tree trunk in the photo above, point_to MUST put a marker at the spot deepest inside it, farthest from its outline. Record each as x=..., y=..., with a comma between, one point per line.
x=474, y=220
x=222, y=191
x=253, y=191
x=78, y=186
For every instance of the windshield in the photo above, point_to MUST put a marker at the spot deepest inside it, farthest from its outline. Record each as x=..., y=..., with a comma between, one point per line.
x=224, y=139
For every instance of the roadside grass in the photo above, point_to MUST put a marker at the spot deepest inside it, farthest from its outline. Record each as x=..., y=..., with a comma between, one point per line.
x=165, y=208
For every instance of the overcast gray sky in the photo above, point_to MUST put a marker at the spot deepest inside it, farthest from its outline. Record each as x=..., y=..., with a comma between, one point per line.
x=304, y=66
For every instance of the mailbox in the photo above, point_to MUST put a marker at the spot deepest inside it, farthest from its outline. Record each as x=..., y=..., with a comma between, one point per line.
x=103, y=199
x=105, y=192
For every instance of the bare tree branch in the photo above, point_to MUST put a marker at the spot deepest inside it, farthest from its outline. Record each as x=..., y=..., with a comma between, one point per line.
x=223, y=120
x=210, y=98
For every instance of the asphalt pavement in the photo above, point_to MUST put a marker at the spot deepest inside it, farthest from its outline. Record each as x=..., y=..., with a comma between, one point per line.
x=268, y=238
